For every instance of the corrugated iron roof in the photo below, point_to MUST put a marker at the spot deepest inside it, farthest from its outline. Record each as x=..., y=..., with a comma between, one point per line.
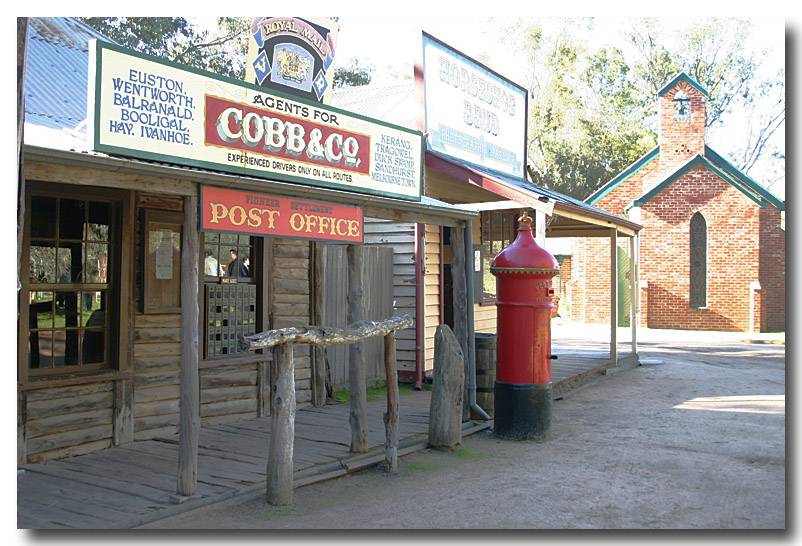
x=56, y=71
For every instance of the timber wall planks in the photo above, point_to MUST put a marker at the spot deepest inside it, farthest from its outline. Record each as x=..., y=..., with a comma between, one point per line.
x=431, y=291
x=401, y=237
x=291, y=289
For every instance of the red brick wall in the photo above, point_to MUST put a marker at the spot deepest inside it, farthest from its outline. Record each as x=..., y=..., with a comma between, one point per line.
x=681, y=140
x=772, y=270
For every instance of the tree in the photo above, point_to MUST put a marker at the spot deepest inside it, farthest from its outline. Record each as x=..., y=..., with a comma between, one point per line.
x=354, y=74
x=222, y=51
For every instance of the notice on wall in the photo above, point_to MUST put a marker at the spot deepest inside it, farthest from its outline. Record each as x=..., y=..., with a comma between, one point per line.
x=145, y=107
x=163, y=257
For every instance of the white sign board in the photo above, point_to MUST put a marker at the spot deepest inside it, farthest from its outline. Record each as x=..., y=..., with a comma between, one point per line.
x=472, y=113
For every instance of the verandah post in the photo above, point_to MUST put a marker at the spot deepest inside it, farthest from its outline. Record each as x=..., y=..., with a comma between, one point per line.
x=391, y=417
x=356, y=366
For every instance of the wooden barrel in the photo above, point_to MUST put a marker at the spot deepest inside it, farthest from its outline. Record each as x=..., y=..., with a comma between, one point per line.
x=485, y=371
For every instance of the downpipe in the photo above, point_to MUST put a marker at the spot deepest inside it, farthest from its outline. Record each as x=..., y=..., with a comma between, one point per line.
x=471, y=356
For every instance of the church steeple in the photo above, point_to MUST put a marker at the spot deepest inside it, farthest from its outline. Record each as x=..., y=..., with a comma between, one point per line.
x=682, y=118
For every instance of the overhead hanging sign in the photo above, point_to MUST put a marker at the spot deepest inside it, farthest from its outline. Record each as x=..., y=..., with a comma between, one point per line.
x=254, y=213
x=293, y=55
x=145, y=107
x=472, y=113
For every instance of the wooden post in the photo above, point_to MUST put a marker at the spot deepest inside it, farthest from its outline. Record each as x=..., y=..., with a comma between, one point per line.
x=356, y=367
x=282, y=427
x=613, y=297
x=391, y=417
x=634, y=292
x=460, y=300
x=318, y=353
x=263, y=388
x=123, y=425
x=22, y=48
x=447, y=402
x=189, y=424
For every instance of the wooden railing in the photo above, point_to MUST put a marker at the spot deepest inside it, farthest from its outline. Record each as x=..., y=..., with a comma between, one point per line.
x=282, y=435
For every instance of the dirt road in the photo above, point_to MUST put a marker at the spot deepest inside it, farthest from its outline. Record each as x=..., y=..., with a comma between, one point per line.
x=693, y=439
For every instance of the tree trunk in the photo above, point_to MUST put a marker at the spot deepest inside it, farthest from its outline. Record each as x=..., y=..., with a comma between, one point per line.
x=282, y=427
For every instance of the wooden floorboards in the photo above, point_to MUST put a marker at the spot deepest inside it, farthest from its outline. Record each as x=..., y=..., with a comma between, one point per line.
x=124, y=487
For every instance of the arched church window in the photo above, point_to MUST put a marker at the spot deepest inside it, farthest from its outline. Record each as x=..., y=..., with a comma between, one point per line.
x=698, y=254
x=682, y=106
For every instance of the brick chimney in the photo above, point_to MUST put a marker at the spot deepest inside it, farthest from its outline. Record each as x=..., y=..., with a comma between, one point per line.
x=682, y=116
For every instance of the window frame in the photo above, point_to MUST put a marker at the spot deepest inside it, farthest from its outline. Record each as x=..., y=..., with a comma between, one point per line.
x=259, y=263
x=692, y=295
x=116, y=328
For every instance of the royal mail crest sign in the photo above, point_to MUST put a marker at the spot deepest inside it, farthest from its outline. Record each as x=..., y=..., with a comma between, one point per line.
x=293, y=55
x=144, y=107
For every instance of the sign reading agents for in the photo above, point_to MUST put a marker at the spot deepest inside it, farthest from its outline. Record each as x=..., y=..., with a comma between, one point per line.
x=259, y=214
x=148, y=108
x=473, y=113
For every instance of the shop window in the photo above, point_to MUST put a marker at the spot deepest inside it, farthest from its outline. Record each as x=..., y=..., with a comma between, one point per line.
x=698, y=265
x=230, y=291
x=498, y=232
x=70, y=285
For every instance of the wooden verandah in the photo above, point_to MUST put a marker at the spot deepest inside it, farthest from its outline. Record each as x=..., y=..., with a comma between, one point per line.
x=128, y=486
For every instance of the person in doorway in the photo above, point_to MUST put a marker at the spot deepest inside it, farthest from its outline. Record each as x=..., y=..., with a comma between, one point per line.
x=210, y=265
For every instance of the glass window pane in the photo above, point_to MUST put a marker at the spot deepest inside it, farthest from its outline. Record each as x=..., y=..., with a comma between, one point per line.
x=246, y=265
x=97, y=228
x=66, y=310
x=93, y=309
x=70, y=261
x=42, y=262
x=211, y=265
x=230, y=260
x=43, y=217
x=71, y=219
x=94, y=343
x=97, y=263
x=244, y=239
x=41, y=355
x=229, y=239
x=211, y=237
x=41, y=310
x=65, y=348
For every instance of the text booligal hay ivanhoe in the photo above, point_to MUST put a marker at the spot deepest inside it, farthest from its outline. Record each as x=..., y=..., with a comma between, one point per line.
x=153, y=107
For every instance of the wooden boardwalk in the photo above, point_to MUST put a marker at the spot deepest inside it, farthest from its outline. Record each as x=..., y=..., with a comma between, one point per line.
x=124, y=487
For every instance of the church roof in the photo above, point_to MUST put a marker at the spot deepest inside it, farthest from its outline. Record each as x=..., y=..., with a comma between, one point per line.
x=683, y=76
x=724, y=170
x=621, y=177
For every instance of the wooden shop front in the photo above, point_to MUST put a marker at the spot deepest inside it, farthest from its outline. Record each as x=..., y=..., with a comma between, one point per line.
x=142, y=262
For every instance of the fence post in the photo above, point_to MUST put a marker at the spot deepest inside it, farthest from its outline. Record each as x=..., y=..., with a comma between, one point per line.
x=356, y=364
x=282, y=427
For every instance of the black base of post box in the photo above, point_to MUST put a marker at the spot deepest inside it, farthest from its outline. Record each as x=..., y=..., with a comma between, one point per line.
x=522, y=412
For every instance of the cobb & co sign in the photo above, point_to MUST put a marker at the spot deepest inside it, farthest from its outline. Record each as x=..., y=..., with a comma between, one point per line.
x=148, y=108
x=259, y=214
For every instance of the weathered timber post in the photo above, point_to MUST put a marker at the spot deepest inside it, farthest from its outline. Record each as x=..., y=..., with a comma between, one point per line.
x=282, y=427
x=446, y=406
x=391, y=417
x=356, y=364
x=614, y=297
x=189, y=424
x=460, y=299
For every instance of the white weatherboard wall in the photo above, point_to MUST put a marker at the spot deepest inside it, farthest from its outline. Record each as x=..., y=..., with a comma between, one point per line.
x=401, y=237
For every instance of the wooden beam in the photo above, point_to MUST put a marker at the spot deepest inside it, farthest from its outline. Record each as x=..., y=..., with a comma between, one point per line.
x=189, y=423
x=460, y=300
x=391, y=427
x=633, y=288
x=613, y=297
x=282, y=427
x=589, y=219
x=318, y=353
x=356, y=365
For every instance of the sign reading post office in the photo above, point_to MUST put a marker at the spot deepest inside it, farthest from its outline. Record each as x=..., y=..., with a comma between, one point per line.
x=472, y=113
x=148, y=108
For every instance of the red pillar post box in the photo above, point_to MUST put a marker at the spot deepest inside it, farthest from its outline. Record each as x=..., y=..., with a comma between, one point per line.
x=522, y=390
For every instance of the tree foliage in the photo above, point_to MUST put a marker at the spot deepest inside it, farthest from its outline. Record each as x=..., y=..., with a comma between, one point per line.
x=222, y=50
x=593, y=110
x=354, y=74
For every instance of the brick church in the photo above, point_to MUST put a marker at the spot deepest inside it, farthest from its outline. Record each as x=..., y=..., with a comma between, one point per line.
x=712, y=250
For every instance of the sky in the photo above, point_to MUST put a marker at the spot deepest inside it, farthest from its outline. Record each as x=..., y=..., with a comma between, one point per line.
x=391, y=44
